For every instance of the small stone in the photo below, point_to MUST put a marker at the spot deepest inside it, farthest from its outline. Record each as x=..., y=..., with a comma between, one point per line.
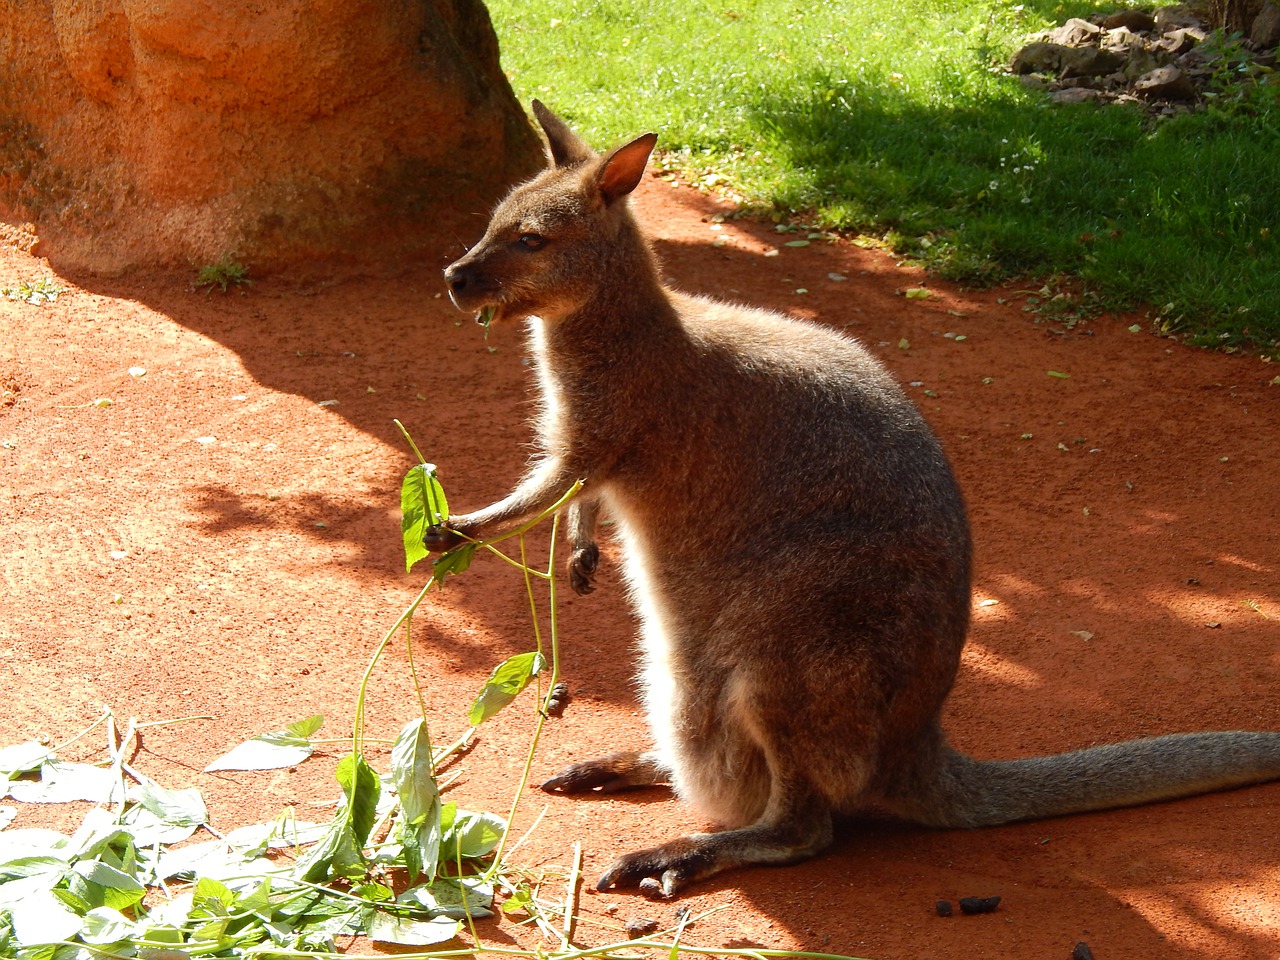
x=1177, y=41
x=1075, y=32
x=1089, y=62
x=1136, y=20
x=943, y=908
x=1165, y=83
x=1074, y=95
x=1120, y=39
x=652, y=889
x=558, y=700
x=1081, y=951
x=974, y=905
x=640, y=927
x=1038, y=57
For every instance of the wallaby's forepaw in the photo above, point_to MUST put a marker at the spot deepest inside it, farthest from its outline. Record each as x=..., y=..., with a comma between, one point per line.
x=442, y=536
x=618, y=771
x=661, y=872
x=582, y=567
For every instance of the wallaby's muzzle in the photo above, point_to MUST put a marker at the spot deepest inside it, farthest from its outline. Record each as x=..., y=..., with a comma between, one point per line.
x=468, y=288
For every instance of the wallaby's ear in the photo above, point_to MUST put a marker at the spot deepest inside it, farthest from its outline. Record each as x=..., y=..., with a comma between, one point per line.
x=566, y=147
x=621, y=170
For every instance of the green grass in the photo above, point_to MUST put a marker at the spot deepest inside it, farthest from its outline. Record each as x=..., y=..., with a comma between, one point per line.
x=894, y=118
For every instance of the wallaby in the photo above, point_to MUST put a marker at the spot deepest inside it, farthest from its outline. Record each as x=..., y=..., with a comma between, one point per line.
x=793, y=539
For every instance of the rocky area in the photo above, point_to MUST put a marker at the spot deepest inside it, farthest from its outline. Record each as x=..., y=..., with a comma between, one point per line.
x=175, y=132
x=1167, y=60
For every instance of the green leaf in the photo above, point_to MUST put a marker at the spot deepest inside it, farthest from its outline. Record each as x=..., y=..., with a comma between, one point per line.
x=97, y=834
x=107, y=925
x=255, y=839
x=178, y=807
x=29, y=876
x=522, y=899
x=165, y=816
x=414, y=778
x=147, y=829
x=360, y=783
x=303, y=730
x=422, y=505
x=115, y=888
x=22, y=758
x=340, y=853
x=454, y=561
x=63, y=782
x=472, y=835
x=373, y=892
x=211, y=859
x=270, y=751
x=1060, y=376
x=163, y=933
x=43, y=918
x=31, y=866
x=336, y=854
x=451, y=897
x=32, y=842
x=504, y=684
x=385, y=928
x=212, y=898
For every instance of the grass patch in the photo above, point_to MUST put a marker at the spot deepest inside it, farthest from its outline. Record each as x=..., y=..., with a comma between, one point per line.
x=895, y=118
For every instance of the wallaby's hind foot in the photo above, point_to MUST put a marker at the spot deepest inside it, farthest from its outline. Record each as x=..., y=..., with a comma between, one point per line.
x=618, y=771
x=666, y=869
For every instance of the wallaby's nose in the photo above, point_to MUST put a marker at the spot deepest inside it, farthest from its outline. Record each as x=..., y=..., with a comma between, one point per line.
x=455, y=278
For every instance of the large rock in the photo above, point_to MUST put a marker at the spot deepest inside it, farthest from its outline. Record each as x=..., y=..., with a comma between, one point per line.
x=1044, y=56
x=141, y=132
x=1165, y=83
x=1265, y=34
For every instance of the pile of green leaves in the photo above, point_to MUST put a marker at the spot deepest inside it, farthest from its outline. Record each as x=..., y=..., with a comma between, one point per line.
x=255, y=890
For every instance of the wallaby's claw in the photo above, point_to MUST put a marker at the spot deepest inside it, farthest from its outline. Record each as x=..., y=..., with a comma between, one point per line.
x=441, y=536
x=660, y=872
x=582, y=567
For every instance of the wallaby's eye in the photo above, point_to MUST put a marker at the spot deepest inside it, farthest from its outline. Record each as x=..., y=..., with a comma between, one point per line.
x=532, y=241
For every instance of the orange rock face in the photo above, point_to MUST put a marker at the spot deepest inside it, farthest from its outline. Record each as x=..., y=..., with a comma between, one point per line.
x=156, y=132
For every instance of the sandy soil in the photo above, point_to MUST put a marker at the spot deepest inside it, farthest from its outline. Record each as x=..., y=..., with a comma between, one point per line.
x=223, y=541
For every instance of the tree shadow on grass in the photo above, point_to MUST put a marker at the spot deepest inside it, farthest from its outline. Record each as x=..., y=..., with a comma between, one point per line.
x=1001, y=183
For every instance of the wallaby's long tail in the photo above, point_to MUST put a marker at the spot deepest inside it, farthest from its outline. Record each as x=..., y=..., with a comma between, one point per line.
x=970, y=793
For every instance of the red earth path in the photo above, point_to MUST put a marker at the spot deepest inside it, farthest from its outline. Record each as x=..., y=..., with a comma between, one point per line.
x=222, y=540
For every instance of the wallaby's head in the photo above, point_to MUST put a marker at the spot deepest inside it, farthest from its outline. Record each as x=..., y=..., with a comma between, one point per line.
x=549, y=243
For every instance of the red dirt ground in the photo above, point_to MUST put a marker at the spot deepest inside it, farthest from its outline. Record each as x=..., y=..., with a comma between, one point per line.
x=218, y=542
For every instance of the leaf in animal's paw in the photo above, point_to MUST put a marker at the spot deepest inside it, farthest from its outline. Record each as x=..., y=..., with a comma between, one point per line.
x=457, y=559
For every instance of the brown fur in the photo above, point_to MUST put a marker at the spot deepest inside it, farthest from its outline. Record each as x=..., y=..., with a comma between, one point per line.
x=793, y=539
